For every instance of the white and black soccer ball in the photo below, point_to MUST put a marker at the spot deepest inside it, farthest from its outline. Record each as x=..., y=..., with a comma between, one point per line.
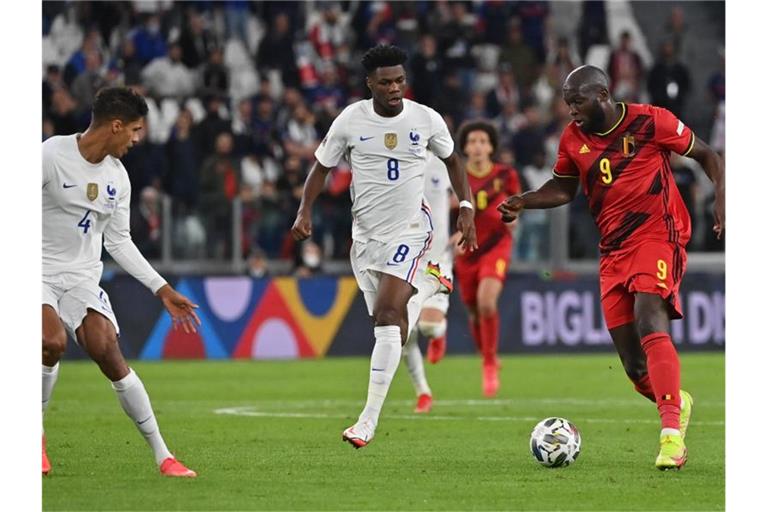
x=555, y=442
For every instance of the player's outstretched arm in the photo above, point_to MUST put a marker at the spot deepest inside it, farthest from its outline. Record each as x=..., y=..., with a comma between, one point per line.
x=181, y=309
x=302, y=226
x=715, y=168
x=553, y=193
x=465, y=223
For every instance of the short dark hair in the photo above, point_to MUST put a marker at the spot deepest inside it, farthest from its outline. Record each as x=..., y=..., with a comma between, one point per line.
x=478, y=125
x=118, y=103
x=383, y=55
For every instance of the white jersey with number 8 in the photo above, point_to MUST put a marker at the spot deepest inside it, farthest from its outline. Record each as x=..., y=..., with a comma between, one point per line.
x=388, y=156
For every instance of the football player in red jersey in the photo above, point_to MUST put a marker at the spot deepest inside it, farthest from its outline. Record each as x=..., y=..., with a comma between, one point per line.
x=620, y=154
x=481, y=273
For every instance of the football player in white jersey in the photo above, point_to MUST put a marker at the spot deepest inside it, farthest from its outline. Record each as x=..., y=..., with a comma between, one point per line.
x=86, y=197
x=432, y=324
x=385, y=139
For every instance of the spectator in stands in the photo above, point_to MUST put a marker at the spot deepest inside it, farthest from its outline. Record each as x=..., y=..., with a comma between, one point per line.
x=509, y=122
x=625, y=69
x=148, y=165
x=212, y=125
x=716, y=86
x=196, y=41
x=53, y=81
x=520, y=57
x=87, y=83
x=258, y=265
x=530, y=137
x=168, y=77
x=533, y=17
x=149, y=40
x=276, y=50
x=300, y=138
x=328, y=31
x=216, y=74
x=181, y=179
x=561, y=62
x=505, y=92
x=593, y=26
x=265, y=132
x=62, y=113
x=146, y=223
x=128, y=62
x=669, y=81
x=308, y=260
x=677, y=31
x=219, y=185
x=76, y=64
x=426, y=71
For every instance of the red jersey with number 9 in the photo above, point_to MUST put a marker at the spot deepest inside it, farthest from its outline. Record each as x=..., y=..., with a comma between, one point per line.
x=627, y=178
x=489, y=191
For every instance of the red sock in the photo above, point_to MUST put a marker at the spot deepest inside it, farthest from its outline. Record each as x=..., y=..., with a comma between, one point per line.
x=664, y=374
x=489, y=336
x=474, y=328
x=643, y=386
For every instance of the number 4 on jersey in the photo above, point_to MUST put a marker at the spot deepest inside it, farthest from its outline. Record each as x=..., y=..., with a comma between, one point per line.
x=85, y=223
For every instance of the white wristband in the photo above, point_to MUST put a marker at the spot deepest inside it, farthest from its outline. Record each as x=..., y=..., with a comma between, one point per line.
x=466, y=204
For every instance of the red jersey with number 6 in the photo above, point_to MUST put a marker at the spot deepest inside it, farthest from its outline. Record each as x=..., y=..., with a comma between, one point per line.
x=627, y=178
x=489, y=191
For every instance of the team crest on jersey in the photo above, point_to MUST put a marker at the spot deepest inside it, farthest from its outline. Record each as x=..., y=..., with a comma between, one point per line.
x=628, y=145
x=92, y=191
x=390, y=140
x=414, y=136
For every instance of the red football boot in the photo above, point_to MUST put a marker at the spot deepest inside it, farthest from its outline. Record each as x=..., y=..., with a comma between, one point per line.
x=172, y=467
x=423, y=404
x=46, y=462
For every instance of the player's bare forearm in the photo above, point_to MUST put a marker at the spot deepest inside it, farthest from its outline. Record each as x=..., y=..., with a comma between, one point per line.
x=313, y=186
x=714, y=167
x=302, y=226
x=466, y=220
x=555, y=192
x=458, y=177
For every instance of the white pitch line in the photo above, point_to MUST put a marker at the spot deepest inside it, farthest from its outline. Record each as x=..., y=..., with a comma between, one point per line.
x=252, y=412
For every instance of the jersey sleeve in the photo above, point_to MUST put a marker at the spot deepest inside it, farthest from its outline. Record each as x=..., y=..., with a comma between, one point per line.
x=118, y=243
x=48, y=159
x=440, y=140
x=334, y=145
x=564, y=166
x=671, y=133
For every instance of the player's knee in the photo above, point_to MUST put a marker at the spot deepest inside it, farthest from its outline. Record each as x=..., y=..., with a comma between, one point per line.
x=432, y=329
x=486, y=308
x=54, y=344
x=99, y=337
x=387, y=316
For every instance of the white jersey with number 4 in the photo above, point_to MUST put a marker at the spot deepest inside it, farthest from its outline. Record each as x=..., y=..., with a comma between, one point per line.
x=388, y=157
x=84, y=203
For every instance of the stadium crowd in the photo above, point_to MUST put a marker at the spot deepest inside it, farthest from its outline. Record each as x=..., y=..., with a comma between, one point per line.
x=241, y=93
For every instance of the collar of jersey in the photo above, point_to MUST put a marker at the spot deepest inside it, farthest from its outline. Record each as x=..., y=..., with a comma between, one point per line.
x=621, y=119
x=480, y=174
x=387, y=119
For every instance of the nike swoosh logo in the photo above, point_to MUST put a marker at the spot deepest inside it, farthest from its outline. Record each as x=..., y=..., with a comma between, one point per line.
x=377, y=369
x=363, y=139
x=143, y=421
x=392, y=264
x=69, y=186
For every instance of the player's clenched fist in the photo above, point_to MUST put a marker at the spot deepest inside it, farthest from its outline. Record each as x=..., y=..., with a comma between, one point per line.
x=302, y=227
x=511, y=207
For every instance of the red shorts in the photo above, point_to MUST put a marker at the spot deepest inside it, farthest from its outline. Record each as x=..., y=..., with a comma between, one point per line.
x=469, y=271
x=648, y=267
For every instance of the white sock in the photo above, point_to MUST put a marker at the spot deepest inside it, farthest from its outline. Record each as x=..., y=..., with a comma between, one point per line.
x=415, y=363
x=670, y=432
x=50, y=374
x=384, y=360
x=135, y=401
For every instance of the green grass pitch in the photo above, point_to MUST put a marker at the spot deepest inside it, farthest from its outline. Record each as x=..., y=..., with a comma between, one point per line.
x=267, y=436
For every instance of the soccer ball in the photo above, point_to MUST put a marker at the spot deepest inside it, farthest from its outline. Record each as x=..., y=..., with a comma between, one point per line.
x=555, y=442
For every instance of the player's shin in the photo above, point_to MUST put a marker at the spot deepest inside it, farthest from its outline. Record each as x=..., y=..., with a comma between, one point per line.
x=415, y=363
x=489, y=336
x=135, y=401
x=664, y=374
x=50, y=374
x=384, y=360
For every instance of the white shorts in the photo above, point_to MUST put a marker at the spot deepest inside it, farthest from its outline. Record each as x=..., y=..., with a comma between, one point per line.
x=71, y=297
x=403, y=258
